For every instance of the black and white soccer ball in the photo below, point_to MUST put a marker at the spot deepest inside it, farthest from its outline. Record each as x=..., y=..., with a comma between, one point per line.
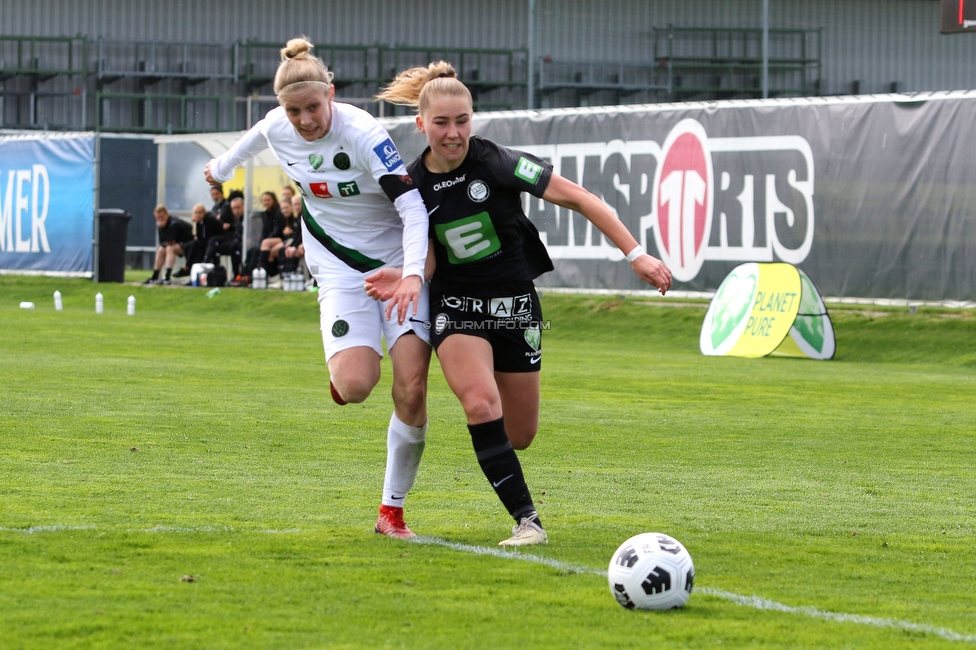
x=651, y=571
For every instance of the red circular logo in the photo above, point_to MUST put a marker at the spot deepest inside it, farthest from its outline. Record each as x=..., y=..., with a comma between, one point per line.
x=683, y=190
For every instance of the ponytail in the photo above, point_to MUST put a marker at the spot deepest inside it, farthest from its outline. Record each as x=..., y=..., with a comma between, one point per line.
x=419, y=86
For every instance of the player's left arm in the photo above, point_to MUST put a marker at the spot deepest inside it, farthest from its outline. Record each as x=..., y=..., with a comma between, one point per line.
x=565, y=193
x=221, y=169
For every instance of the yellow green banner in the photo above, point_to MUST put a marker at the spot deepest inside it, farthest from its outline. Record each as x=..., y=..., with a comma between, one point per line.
x=812, y=334
x=765, y=309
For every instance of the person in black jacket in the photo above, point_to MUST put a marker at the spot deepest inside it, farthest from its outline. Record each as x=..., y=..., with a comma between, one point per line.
x=172, y=233
x=220, y=203
x=294, y=250
x=281, y=239
x=228, y=242
x=205, y=226
x=272, y=227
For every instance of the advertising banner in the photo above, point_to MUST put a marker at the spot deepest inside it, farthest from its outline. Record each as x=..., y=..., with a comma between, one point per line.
x=812, y=334
x=767, y=309
x=873, y=196
x=47, y=190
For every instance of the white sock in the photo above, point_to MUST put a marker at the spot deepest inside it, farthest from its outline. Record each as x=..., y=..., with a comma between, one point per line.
x=404, y=447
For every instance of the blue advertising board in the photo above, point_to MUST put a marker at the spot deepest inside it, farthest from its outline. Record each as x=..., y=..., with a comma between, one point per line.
x=47, y=204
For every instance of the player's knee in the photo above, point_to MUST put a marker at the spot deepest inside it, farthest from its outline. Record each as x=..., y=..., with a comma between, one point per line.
x=353, y=393
x=481, y=407
x=353, y=389
x=521, y=437
x=410, y=396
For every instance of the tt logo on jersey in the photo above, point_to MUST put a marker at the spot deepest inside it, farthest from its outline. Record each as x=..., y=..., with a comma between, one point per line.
x=348, y=189
x=729, y=199
x=388, y=154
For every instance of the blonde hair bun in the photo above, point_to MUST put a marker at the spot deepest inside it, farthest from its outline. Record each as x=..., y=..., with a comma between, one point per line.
x=296, y=48
x=299, y=65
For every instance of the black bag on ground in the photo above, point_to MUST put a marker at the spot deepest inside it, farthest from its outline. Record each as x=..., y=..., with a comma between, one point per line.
x=217, y=277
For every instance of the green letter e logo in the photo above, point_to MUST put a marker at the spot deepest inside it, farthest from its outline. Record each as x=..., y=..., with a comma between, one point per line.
x=469, y=239
x=528, y=171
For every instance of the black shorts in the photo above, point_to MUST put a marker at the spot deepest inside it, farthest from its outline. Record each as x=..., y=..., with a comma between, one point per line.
x=507, y=315
x=182, y=244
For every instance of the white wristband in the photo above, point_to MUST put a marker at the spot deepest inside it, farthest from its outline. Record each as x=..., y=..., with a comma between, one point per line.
x=634, y=254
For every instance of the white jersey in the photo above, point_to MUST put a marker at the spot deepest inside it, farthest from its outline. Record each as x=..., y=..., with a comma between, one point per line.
x=351, y=225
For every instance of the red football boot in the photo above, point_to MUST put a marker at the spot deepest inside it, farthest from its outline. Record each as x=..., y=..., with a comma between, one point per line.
x=390, y=523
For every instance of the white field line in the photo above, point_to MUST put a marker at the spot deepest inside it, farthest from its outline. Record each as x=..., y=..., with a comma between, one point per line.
x=212, y=529
x=755, y=602
x=43, y=529
x=155, y=529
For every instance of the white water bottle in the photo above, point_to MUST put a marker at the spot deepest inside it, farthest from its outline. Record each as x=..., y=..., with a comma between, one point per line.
x=99, y=303
x=131, y=306
x=58, y=305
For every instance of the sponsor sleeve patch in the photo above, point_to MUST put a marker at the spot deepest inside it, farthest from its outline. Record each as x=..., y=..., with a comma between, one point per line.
x=528, y=171
x=388, y=154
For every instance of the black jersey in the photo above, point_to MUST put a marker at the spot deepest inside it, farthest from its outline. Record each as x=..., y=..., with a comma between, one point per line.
x=175, y=231
x=479, y=231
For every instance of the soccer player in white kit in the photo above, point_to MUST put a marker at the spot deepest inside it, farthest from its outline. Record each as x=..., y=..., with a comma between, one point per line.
x=360, y=213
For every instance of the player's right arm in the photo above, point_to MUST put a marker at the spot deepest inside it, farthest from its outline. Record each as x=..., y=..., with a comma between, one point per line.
x=221, y=168
x=387, y=168
x=568, y=194
x=383, y=283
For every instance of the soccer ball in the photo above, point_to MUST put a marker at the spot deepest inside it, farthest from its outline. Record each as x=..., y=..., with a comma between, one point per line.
x=651, y=571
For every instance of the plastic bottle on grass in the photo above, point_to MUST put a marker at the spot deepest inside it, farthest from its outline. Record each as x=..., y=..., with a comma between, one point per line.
x=99, y=303
x=130, y=308
x=58, y=305
x=213, y=292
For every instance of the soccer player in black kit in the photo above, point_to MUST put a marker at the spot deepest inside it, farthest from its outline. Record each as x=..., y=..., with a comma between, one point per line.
x=482, y=260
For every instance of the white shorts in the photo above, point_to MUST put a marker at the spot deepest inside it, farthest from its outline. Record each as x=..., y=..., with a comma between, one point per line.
x=350, y=318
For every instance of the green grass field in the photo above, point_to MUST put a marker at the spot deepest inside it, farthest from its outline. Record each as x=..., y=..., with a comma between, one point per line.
x=181, y=478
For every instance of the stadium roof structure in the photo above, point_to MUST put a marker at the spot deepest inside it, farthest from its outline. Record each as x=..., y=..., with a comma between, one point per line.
x=217, y=143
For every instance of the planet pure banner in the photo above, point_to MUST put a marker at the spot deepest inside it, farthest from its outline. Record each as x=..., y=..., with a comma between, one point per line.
x=873, y=196
x=812, y=334
x=767, y=309
x=752, y=311
x=47, y=195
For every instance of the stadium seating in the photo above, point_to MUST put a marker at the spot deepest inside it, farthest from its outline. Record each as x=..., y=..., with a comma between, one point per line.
x=178, y=87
